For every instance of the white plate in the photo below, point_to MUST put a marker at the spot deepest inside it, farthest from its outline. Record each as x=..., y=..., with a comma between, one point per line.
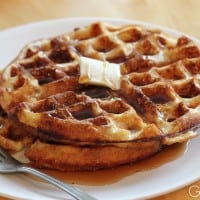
x=168, y=177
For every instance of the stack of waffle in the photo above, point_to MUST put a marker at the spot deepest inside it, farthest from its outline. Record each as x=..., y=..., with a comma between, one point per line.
x=67, y=124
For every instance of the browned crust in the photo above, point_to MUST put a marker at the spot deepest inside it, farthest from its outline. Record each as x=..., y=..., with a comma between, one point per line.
x=71, y=158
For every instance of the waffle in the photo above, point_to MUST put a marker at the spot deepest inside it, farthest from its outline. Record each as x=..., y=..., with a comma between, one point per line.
x=80, y=126
x=14, y=136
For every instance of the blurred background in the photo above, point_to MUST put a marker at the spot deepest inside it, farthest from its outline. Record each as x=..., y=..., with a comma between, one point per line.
x=182, y=15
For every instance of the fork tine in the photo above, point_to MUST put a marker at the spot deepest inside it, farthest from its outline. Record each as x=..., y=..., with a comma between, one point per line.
x=2, y=156
x=3, y=153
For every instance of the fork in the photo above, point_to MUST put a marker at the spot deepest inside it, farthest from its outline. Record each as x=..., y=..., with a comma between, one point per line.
x=10, y=165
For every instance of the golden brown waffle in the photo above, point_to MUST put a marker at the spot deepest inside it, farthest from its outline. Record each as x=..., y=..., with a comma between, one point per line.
x=157, y=103
x=76, y=158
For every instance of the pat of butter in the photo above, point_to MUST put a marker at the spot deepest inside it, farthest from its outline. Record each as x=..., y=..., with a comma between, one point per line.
x=100, y=73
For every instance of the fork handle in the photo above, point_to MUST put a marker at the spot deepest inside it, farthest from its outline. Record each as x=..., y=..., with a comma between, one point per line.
x=74, y=192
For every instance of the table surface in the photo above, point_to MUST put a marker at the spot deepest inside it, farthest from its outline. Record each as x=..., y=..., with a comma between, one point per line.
x=182, y=15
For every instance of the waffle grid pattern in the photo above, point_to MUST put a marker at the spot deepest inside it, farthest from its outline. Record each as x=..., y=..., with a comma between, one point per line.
x=157, y=104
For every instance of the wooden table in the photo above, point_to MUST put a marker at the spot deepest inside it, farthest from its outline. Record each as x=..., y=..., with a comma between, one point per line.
x=182, y=15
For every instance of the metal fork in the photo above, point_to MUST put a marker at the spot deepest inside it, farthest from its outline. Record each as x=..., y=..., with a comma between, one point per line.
x=10, y=165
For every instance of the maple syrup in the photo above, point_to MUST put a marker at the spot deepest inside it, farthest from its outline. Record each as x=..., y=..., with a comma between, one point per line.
x=109, y=176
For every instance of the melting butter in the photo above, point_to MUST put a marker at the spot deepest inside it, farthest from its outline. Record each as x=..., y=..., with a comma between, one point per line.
x=100, y=73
